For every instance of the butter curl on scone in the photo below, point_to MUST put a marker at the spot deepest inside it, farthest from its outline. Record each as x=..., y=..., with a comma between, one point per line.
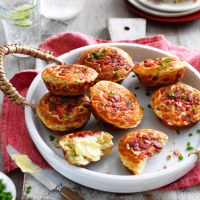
x=63, y=114
x=177, y=106
x=160, y=72
x=113, y=104
x=136, y=147
x=84, y=147
x=111, y=63
x=69, y=80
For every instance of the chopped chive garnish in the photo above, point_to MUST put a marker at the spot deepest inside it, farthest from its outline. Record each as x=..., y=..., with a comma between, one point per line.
x=64, y=98
x=52, y=106
x=183, y=96
x=141, y=107
x=111, y=94
x=180, y=157
x=91, y=56
x=85, y=68
x=193, y=108
x=198, y=130
x=28, y=190
x=171, y=94
x=177, y=131
x=52, y=137
x=190, y=134
x=133, y=75
x=189, y=146
x=149, y=106
x=76, y=71
x=65, y=116
x=117, y=74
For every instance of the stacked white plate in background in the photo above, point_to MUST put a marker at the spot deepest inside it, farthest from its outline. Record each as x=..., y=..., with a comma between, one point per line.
x=166, y=8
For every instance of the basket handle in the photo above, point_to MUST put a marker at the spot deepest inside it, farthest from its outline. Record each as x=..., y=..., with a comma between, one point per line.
x=7, y=88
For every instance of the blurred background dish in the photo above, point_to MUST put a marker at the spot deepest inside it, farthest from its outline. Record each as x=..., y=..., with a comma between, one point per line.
x=170, y=6
x=10, y=187
x=138, y=5
x=145, y=12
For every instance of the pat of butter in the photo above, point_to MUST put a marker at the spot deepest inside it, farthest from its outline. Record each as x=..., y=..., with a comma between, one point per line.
x=88, y=148
x=25, y=164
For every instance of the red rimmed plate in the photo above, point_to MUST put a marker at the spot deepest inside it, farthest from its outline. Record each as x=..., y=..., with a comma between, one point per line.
x=190, y=17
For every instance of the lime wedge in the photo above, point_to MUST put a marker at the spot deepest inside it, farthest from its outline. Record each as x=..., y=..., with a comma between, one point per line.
x=22, y=15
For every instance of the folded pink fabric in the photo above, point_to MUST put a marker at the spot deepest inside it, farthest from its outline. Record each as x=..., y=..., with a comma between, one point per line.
x=14, y=132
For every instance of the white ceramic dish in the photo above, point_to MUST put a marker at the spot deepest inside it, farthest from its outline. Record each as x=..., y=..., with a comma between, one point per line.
x=158, y=13
x=170, y=6
x=109, y=174
x=10, y=187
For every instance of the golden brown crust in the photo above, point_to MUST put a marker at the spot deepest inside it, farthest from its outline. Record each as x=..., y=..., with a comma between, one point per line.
x=111, y=63
x=63, y=114
x=116, y=105
x=135, y=147
x=69, y=80
x=93, y=145
x=160, y=72
x=177, y=106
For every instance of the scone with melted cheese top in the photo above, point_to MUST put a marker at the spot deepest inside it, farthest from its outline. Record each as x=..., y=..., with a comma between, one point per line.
x=113, y=104
x=111, y=63
x=160, y=72
x=69, y=80
x=177, y=106
x=63, y=114
x=136, y=147
x=84, y=147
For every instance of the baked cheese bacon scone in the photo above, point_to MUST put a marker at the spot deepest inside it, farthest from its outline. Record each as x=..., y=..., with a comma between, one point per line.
x=160, y=72
x=136, y=147
x=111, y=63
x=113, y=104
x=177, y=106
x=69, y=80
x=63, y=114
x=84, y=147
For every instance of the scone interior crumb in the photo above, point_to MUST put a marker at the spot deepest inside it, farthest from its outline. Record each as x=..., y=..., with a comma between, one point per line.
x=83, y=149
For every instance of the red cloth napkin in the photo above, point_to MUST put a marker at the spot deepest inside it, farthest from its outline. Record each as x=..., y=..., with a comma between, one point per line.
x=13, y=127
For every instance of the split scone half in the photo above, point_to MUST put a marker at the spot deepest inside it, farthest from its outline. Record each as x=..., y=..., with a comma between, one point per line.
x=84, y=147
x=69, y=80
x=177, y=106
x=113, y=104
x=63, y=114
x=160, y=72
x=136, y=147
x=111, y=63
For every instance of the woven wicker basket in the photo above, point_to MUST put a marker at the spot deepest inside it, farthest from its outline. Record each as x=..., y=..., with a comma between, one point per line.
x=7, y=88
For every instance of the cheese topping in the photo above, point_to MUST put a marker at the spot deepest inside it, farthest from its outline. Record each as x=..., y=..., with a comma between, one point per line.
x=25, y=164
x=88, y=147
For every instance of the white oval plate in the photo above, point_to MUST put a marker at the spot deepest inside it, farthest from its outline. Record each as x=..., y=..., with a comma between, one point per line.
x=169, y=6
x=141, y=7
x=109, y=174
x=10, y=187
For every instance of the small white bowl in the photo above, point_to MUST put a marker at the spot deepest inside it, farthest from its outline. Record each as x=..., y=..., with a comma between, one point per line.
x=10, y=187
